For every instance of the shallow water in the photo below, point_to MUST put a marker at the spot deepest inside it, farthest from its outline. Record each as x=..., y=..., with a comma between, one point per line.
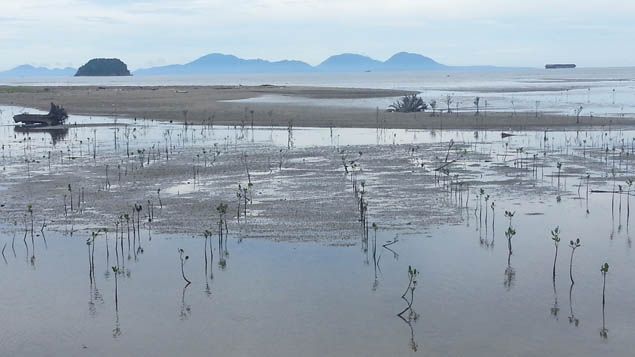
x=286, y=299
x=324, y=298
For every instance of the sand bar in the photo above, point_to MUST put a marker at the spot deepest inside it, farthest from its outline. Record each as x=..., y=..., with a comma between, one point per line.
x=213, y=104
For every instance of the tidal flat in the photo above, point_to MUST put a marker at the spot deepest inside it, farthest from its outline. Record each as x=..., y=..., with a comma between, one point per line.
x=321, y=232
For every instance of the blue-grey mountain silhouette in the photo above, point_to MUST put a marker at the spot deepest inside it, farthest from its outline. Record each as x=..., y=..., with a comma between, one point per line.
x=219, y=63
x=27, y=70
x=349, y=62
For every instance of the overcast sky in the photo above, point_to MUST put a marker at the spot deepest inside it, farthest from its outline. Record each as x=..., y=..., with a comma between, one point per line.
x=457, y=32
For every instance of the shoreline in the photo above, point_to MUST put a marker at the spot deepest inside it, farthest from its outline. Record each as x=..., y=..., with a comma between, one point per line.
x=213, y=105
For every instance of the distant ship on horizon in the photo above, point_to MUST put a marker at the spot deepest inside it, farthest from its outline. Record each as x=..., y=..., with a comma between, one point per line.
x=559, y=65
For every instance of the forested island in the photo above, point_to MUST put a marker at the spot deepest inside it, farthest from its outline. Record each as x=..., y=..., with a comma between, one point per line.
x=103, y=67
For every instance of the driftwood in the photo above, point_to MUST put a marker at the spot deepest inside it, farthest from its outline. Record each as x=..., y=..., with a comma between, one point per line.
x=56, y=116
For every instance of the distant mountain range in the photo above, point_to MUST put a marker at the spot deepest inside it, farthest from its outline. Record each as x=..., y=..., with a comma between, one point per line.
x=217, y=63
x=348, y=62
x=27, y=70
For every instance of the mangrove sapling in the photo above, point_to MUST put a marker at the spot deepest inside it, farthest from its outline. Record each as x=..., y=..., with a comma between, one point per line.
x=486, y=203
x=246, y=198
x=222, y=222
x=290, y=135
x=619, y=226
x=577, y=111
x=629, y=183
x=44, y=225
x=15, y=224
x=448, y=101
x=375, y=227
x=588, y=178
x=207, y=234
x=138, y=208
x=480, y=208
x=555, y=237
x=509, y=234
x=604, y=331
x=573, y=245
x=183, y=258
x=239, y=195
x=510, y=215
x=410, y=289
x=159, y=197
x=115, y=271
x=477, y=102
x=70, y=194
x=412, y=315
x=604, y=269
x=493, y=223
x=30, y=210
x=90, y=262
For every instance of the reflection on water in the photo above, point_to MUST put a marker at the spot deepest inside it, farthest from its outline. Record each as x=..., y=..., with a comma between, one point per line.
x=57, y=134
x=269, y=286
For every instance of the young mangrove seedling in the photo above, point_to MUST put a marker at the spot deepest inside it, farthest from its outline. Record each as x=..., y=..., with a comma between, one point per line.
x=207, y=234
x=510, y=215
x=138, y=208
x=604, y=269
x=493, y=222
x=159, y=197
x=183, y=258
x=412, y=285
x=115, y=271
x=90, y=262
x=555, y=237
x=222, y=222
x=573, y=245
x=509, y=234
x=604, y=332
x=239, y=195
x=70, y=194
x=30, y=210
x=629, y=184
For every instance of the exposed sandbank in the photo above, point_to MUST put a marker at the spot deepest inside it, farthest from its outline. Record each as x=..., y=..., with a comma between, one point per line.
x=209, y=104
